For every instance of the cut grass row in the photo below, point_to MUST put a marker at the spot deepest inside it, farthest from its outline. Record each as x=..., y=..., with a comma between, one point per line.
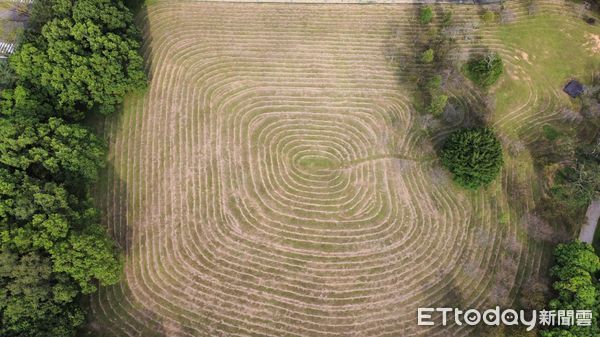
x=232, y=217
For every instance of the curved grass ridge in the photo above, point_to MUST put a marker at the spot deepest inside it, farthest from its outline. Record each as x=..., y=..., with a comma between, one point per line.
x=276, y=181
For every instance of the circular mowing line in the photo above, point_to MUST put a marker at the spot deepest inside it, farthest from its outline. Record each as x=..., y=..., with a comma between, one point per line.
x=411, y=141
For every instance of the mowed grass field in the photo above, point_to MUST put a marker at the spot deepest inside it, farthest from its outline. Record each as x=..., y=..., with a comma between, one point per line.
x=275, y=180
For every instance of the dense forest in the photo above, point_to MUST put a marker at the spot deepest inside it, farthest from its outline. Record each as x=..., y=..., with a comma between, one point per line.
x=75, y=59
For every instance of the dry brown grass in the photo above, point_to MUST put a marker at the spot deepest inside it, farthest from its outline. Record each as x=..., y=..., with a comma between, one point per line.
x=275, y=180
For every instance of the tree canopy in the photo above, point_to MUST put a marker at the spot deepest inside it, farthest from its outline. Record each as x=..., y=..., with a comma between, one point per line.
x=488, y=16
x=485, y=70
x=66, y=152
x=438, y=100
x=577, y=184
x=427, y=56
x=34, y=301
x=77, y=57
x=85, y=57
x=474, y=156
x=47, y=219
x=438, y=104
x=425, y=15
x=575, y=285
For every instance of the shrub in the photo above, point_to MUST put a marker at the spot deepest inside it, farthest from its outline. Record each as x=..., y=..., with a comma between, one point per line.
x=484, y=70
x=577, y=185
x=474, y=156
x=434, y=84
x=425, y=15
x=437, y=100
x=446, y=19
x=488, y=17
x=550, y=133
x=427, y=56
x=437, y=104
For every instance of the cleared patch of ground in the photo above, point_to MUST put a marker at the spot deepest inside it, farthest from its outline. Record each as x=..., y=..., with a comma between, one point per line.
x=276, y=181
x=594, y=43
x=13, y=15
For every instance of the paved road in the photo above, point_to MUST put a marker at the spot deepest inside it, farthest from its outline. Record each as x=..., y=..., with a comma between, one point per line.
x=592, y=214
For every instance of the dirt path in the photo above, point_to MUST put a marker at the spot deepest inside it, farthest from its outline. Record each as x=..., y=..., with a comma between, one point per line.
x=592, y=215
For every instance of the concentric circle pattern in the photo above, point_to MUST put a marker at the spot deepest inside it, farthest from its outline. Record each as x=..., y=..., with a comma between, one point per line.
x=276, y=181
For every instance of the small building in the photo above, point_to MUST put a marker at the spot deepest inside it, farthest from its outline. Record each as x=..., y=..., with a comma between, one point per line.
x=574, y=88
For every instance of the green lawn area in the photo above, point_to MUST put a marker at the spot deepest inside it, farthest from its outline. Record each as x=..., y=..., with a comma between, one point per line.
x=316, y=163
x=549, y=50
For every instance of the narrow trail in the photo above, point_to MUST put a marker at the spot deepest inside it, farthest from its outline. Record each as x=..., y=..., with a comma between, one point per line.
x=398, y=156
x=592, y=216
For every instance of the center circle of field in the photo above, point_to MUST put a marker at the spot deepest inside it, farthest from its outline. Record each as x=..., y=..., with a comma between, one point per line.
x=295, y=160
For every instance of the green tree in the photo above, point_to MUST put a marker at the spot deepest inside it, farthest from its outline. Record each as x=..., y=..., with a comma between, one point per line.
x=21, y=102
x=7, y=75
x=76, y=57
x=66, y=152
x=484, y=70
x=576, y=288
x=45, y=221
x=488, y=16
x=576, y=185
x=474, y=156
x=427, y=56
x=437, y=104
x=87, y=257
x=437, y=99
x=34, y=301
x=46, y=217
x=447, y=19
x=86, y=57
x=425, y=15
x=434, y=84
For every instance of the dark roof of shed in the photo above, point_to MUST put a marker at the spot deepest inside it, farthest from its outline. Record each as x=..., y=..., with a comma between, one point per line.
x=574, y=88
